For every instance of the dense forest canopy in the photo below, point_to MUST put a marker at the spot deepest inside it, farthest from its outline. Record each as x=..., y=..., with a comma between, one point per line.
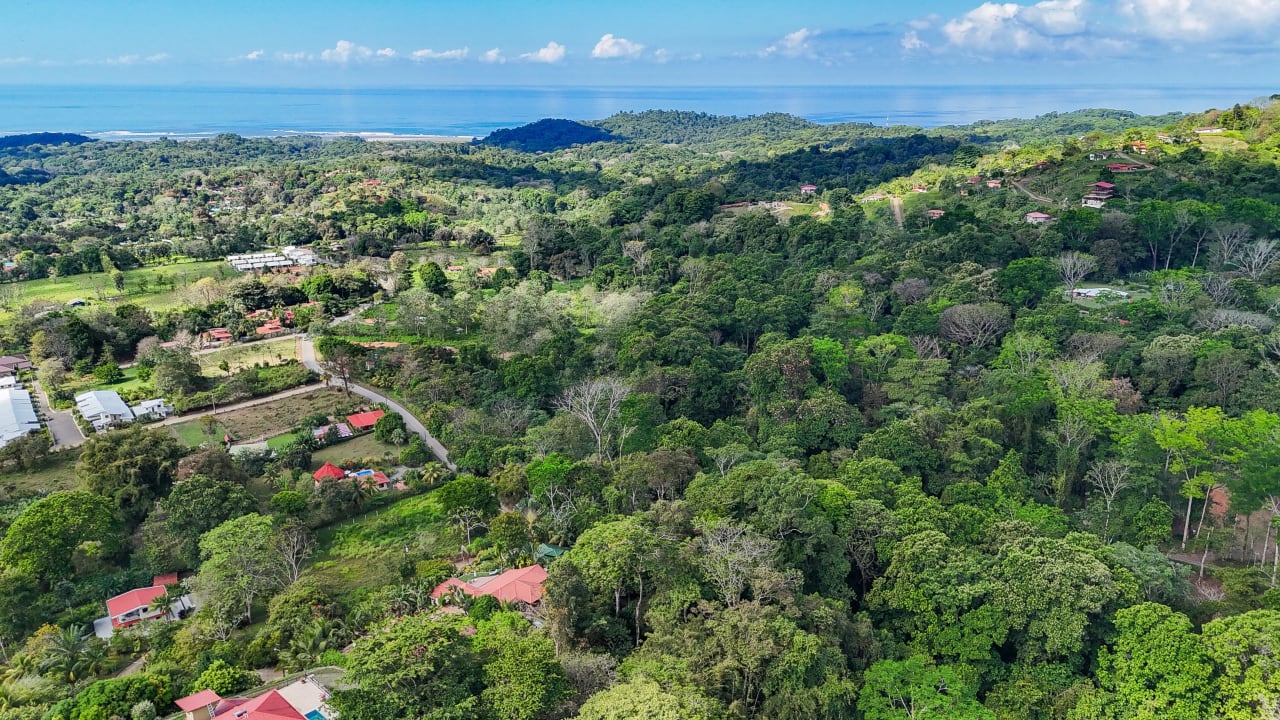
x=801, y=420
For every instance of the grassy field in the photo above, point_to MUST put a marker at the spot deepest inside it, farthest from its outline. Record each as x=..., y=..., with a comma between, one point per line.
x=57, y=473
x=356, y=449
x=147, y=286
x=367, y=551
x=1222, y=142
x=241, y=356
x=264, y=421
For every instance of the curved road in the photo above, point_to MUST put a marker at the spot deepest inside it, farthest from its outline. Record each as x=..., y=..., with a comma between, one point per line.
x=307, y=352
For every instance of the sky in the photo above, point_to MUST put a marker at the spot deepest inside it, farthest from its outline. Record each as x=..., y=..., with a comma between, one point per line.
x=432, y=43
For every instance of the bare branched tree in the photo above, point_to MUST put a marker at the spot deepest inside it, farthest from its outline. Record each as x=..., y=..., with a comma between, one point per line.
x=1215, y=320
x=468, y=521
x=1109, y=478
x=730, y=554
x=1230, y=237
x=927, y=347
x=1218, y=289
x=911, y=290
x=295, y=544
x=1074, y=267
x=974, y=324
x=1091, y=347
x=1254, y=258
x=728, y=456
x=596, y=403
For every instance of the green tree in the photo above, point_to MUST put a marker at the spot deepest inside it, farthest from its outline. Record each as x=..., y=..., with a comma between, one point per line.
x=1241, y=649
x=225, y=679
x=434, y=279
x=917, y=689
x=239, y=564
x=198, y=505
x=132, y=468
x=43, y=537
x=1027, y=281
x=644, y=699
x=523, y=679
x=415, y=667
x=1156, y=666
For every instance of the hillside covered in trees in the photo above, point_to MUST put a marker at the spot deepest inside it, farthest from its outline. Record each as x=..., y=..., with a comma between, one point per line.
x=802, y=421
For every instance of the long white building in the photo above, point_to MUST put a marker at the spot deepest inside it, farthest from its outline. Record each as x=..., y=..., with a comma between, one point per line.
x=17, y=415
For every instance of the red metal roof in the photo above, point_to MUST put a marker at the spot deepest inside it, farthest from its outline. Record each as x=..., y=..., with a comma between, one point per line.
x=201, y=699
x=329, y=471
x=365, y=420
x=166, y=579
x=268, y=706
x=132, y=600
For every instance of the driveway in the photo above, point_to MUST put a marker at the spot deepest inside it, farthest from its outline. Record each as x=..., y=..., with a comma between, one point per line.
x=307, y=351
x=61, y=423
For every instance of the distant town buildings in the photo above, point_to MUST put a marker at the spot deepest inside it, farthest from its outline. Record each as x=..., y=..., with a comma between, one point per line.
x=287, y=257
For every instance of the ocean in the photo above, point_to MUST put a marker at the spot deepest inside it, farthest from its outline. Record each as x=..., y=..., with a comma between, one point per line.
x=193, y=112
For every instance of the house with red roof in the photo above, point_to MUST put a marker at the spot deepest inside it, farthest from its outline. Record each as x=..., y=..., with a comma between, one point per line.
x=215, y=336
x=994, y=183
x=974, y=180
x=134, y=606
x=935, y=213
x=328, y=471
x=808, y=189
x=522, y=585
x=199, y=706
x=1037, y=218
x=271, y=328
x=1123, y=167
x=361, y=422
x=270, y=705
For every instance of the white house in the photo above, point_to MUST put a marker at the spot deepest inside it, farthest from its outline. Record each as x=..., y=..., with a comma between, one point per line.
x=1037, y=218
x=103, y=409
x=17, y=415
x=155, y=409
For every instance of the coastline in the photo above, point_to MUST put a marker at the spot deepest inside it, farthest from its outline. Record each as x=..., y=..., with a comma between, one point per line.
x=367, y=136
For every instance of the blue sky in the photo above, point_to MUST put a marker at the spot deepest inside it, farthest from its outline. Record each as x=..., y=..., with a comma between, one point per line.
x=383, y=43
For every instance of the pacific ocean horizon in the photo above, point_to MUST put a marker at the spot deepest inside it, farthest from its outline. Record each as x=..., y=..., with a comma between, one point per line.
x=141, y=113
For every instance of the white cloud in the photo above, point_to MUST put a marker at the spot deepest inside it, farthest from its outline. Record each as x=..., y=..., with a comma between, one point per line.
x=386, y=53
x=293, y=56
x=346, y=51
x=794, y=44
x=616, y=47
x=1192, y=20
x=254, y=55
x=14, y=60
x=133, y=59
x=552, y=53
x=1011, y=27
x=911, y=41
x=429, y=54
x=662, y=55
x=493, y=56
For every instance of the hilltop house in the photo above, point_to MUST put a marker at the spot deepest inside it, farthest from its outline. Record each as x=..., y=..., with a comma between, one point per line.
x=522, y=585
x=935, y=213
x=11, y=364
x=305, y=698
x=808, y=189
x=1037, y=218
x=155, y=409
x=138, y=604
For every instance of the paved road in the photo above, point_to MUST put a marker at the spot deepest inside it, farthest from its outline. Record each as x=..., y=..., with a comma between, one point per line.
x=61, y=423
x=307, y=351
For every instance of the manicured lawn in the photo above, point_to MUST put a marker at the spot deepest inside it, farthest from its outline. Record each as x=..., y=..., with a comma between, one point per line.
x=280, y=442
x=356, y=448
x=366, y=551
x=89, y=382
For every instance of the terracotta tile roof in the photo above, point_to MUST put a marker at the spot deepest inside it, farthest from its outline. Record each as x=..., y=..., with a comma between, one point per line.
x=329, y=471
x=519, y=585
x=268, y=706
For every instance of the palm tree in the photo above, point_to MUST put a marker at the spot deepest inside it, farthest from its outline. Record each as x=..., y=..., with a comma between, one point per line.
x=305, y=649
x=70, y=653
